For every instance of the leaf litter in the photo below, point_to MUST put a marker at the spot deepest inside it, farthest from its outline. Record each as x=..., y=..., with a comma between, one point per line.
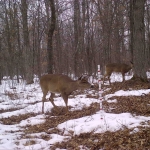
x=125, y=138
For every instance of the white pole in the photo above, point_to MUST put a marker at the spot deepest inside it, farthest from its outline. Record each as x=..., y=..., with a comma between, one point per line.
x=100, y=92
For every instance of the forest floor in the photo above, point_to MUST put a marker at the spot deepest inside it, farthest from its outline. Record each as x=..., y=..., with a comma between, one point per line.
x=22, y=123
x=123, y=139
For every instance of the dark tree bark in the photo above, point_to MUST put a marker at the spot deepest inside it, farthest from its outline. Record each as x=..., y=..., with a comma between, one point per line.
x=148, y=34
x=76, y=36
x=131, y=28
x=38, y=43
x=50, y=37
x=88, y=44
x=8, y=43
x=1, y=66
x=26, y=45
x=138, y=38
x=59, y=64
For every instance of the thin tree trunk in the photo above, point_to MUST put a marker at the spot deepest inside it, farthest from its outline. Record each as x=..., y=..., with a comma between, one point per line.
x=50, y=37
x=1, y=66
x=76, y=36
x=27, y=50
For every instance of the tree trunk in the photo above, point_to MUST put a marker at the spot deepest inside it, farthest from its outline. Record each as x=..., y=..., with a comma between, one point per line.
x=38, y=44
x=1, y=66
x=148, y=35
x=76, y=36
x=27, y=50
x=89, y=41
x=50, y=37
x=138, y=39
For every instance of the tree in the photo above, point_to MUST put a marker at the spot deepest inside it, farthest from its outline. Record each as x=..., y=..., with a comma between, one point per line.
x=137, y=8
x=84, y=33
x=148, y=33
x=50, y=37
x=76, y=35
x=26, y=45
x=1, y=67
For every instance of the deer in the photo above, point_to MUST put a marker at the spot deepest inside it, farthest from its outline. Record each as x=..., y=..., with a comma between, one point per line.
x=62, y=84
x=117, y=67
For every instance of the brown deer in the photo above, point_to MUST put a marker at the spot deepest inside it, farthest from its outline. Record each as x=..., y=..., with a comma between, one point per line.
x=116, y=67
x=57, y=83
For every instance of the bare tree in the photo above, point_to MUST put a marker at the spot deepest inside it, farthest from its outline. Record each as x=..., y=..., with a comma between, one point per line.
x=76, y=35
x=51, y=29
x=138, y=38
x=1, y=63
x=84, y=33
x=147, y=18
x=28, y=55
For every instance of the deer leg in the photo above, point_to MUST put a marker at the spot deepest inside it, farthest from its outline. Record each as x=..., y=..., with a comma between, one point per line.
x=43, y=100
x=52, y=100
x=65, y=97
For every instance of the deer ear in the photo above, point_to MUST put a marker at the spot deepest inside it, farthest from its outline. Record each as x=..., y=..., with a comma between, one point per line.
x=83, y=77
x=131, y=62
x=80, y=78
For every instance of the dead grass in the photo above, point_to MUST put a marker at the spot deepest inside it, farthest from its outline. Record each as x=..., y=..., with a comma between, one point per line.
x=10, y=109
x=16, y=119
x=125, y=139
x=30, y=142
x=52, y=121
x=137, y=105
x=127, y=85
x=12, y=95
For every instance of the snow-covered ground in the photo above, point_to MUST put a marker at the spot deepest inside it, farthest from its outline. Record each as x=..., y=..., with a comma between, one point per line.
x=24, y=95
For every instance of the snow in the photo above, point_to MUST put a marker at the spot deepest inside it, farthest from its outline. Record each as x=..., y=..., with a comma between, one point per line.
x=112, y=122
x=128, y=93
x=27, y=95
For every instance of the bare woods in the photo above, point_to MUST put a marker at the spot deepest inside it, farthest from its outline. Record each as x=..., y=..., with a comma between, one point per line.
x=71, y=36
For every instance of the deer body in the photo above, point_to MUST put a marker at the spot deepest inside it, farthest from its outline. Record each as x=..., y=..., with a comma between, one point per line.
x=116, y=67
x=57, y=83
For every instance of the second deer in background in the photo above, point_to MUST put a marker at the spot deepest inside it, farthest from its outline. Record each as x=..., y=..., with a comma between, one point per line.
x=117, y=67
